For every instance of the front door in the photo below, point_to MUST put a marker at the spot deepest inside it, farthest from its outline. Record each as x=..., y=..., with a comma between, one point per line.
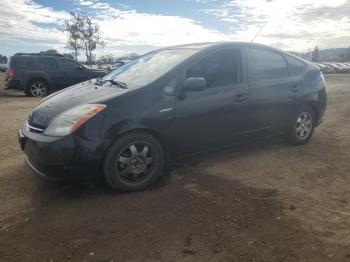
x=50, y=66
x=72, y=72
x=217, y=114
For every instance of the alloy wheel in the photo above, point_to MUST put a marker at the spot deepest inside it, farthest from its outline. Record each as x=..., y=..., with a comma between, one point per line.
x=38, y=89
x=135, y=162
x=303, y=126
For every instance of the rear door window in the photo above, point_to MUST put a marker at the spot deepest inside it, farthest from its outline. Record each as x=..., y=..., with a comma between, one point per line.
x=296, y=67
x=47, y=63
x=265, y=65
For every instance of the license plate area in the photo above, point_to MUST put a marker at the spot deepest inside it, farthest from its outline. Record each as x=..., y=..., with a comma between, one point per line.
x=21, y=139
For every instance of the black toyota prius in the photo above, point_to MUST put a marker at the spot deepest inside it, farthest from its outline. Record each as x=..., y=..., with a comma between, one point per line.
x=170, y=103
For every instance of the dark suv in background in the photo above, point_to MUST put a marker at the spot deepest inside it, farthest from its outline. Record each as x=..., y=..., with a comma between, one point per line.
x=38, y=74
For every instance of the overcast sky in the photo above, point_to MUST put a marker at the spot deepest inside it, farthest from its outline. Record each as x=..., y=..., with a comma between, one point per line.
x=143, y=25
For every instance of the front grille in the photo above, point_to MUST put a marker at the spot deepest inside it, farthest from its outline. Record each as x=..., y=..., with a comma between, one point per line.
x=33, y=129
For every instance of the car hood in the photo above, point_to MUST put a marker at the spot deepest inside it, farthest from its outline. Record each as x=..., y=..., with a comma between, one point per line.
x=57, y=103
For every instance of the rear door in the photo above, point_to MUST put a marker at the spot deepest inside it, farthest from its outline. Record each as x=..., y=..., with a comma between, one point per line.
x=218, y=114
x=71, y=72
x=49, y=65
x=272, y=91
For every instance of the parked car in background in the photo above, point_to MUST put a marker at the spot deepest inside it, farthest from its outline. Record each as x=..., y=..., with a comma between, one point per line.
x=39, y=74
x=115, y=65
x=125, y=61
x=325, y=69
x=3, y=67
x=345, y=67
x=170, y=103
x=336, y=67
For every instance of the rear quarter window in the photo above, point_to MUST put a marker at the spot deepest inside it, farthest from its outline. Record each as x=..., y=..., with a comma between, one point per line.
x=265, y=65
x=296, y=67
x=25, y=63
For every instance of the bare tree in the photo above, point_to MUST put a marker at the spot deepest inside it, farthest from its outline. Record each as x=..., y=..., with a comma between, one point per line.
x=83, y=34
x=72, y=27
x=90, y=36
x=3, y=59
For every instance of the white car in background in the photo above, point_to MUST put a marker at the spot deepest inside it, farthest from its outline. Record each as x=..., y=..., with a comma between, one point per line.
x=3, y=67
x=325, y=68
x=344, y=66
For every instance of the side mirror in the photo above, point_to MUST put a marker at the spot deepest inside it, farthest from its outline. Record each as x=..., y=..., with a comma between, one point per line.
x=194, y=84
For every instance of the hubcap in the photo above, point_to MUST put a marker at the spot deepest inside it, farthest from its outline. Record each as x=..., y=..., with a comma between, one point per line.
x=303, y=126
x=135, y=162
x=38, y=89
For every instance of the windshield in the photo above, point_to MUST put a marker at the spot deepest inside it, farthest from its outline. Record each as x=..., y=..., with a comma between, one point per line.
x=146, y=69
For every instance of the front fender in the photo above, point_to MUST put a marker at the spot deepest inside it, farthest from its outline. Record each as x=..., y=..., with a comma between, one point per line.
x=126, y=126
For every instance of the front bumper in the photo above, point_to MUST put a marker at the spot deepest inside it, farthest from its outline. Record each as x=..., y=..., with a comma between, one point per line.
x=37, y=172
x=56, y=159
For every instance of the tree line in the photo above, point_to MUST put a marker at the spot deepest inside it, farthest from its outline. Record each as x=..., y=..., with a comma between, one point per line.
x=318, y=56
x=328, y=55
x=3, y=59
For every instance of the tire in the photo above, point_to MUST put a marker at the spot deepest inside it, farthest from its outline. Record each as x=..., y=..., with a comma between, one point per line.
x=134, y=162
x=303, y=126
x=37, y=88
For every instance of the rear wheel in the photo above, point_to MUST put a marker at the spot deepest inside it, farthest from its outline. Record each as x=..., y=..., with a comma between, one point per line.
x=134, y=162
x=303, y=126
x=37, y=88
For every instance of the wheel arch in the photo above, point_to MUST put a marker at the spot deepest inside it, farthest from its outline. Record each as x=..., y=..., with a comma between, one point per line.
x=315, y=111
x=168, y=156
x=38, y=78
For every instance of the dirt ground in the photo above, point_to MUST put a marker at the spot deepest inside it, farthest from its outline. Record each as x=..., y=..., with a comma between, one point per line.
x=265, y=201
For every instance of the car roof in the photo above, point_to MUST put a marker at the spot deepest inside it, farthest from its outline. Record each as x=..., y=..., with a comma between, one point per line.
x=207, y=45
x=38, y=54
x=214, y=45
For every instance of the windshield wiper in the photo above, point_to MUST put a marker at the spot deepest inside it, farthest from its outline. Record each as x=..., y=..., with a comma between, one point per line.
x=117, y=83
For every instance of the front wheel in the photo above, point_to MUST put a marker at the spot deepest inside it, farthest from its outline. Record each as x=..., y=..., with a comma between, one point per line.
x=303, y=126
x=37, y=88
x=134, y=162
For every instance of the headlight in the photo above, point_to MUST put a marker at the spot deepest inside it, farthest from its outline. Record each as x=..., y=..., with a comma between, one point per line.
x=72, y=119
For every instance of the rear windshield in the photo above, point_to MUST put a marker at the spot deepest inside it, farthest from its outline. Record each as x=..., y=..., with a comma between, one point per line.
x=23, y=63
x=147, y=68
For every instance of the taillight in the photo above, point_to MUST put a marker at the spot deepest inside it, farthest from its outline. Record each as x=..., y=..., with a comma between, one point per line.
x=12, y=73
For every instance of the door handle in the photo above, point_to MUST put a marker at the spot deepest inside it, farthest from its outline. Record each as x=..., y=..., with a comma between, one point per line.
x=295, y=88
x=240, y=98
